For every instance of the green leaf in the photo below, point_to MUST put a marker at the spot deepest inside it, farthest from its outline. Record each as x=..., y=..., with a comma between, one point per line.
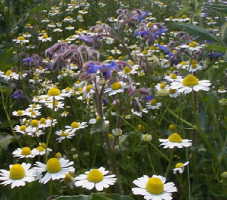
x=96, y=196
x=200, y=32
x=217, y=47
x=119, y=197
x=75, y=197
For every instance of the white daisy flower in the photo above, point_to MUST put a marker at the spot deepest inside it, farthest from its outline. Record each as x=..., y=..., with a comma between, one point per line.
x=190, y=83
x=33, y=113
x=76, y=126
x=153, y=104
x=173, y=93
x=41, y=149
x=21, y=40
x=64, y=134
x=18, y=113
x=154, y=188
x=24, y=152
x=17, y=175
x=172, y=77
x=23, y=129
x=179, y=168
x=44, y=38
x=175, y=140
x=95, y=178
x=10, y=75
x=55, y=169
x=116, y=87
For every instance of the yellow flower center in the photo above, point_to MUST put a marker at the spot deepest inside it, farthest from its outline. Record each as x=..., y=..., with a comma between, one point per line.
x=20, y=112
x=127, y=70
x=64, y=134
x=173, y=76
x=175, y=137
x=8, y=72
x=190, y=80
x=21, y=38
x=194, y=63
x=155, y=185
x=53, y=92
x=40, y=148
x=45, y=35
x=183, y=63
x=179, y=165
x=95, y=176
x=89, y=87
x=23, y=128
x=43, y=121
x=16, y=172
x=153, y=101
x=193, y=44
x=116, y=86
x=26, y=151
x=53, y=165
x=172, y=91
x=162, y=85
x=35, y=123
x=75, y=124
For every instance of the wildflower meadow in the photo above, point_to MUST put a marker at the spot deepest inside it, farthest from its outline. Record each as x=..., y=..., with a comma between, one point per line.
x=113, y=100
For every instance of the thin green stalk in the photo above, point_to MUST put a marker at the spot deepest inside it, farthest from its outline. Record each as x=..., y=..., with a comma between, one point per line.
x=170, y=162
x=188, y=177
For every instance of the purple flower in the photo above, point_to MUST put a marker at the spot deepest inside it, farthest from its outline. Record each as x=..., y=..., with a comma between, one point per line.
x=18, y=94
x=148, y=98
x=28, y=61
x=93, y=68
x=87, y=38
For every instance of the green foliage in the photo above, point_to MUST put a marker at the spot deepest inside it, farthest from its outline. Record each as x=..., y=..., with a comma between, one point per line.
x=199, y=32
x=96, y=196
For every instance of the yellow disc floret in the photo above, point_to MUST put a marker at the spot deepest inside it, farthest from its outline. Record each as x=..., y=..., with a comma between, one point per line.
x=75, y=124
x=127, y=70
x=54, y=92
x=175, y=137
x=22, y=128
x=179, y=165
x=35, y=123
x=190, y=80
x=153, y=101
x=16, y=172
x=95, y=176
x=26, y=151
x=53, y=165
x=116, y=86
x=155, y=185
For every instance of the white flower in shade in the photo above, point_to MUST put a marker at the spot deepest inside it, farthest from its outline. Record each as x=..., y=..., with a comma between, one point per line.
x=17, y=175
x=24, y=152
x=153, y=104
x=10, y=75
x=76, y=126
x=175, y=140
x=21, y=40
x=154, y=188
x=179, y=168
x=116, y=87
x=64, y=134
x=23, y=129
x=44, y=38
x=190, y=83
x=172, y=77
x=18, y=113
x=95, y=178
x=33, y=113
x=55, y=169
x=41, y=149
